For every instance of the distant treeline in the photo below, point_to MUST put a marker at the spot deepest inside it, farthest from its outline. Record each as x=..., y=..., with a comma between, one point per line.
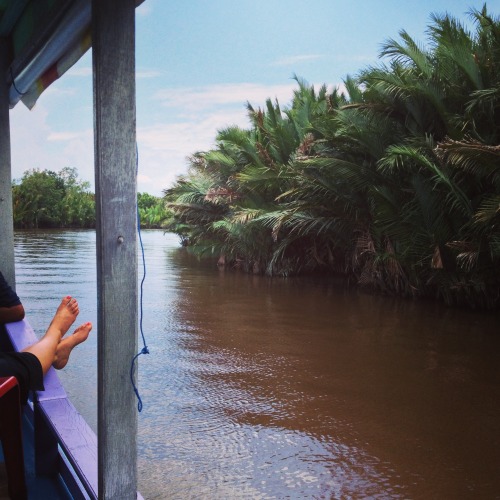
x=392, y=182
x=46, y=199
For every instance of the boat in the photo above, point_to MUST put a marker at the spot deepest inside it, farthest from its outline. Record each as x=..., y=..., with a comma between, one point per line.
x=39, y=41
x=61, y=456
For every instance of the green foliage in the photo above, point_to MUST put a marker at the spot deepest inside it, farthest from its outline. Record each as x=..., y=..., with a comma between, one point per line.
x=152, y=212
x=44, y=199
x=395, y=184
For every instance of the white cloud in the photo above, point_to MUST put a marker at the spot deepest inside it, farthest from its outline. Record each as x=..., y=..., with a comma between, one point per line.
x=55, y=92
x=86, y=71
x=147, y=74
x=144, y=179
x=292, y=60
x=68, y=136
x=190, y=124
x=202, y=98
x=144, y=9
x=188, y=136
x=195, y=114
x=164, y=147
x=35, y=145
x=79, y=71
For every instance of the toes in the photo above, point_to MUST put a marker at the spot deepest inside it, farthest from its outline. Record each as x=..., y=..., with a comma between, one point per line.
x=73, y=305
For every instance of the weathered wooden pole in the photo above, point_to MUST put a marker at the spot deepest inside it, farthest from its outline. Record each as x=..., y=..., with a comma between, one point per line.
x=6, y=222
x=113, y=40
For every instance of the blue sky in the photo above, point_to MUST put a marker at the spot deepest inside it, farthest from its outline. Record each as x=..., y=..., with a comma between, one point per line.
x=198, y=62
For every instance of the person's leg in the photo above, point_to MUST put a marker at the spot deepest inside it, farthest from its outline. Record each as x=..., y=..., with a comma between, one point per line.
x=30, y=365
x=45, y=349
x=66, y=345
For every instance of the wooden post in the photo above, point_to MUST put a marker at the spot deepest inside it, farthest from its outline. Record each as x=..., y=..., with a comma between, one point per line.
x=113, y=40
x=6, y=222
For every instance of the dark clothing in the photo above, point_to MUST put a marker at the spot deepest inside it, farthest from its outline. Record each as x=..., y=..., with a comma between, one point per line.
x=26, y=368
x=8, y=298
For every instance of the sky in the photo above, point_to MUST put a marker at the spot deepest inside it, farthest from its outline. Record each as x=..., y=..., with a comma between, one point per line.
x=198, y=62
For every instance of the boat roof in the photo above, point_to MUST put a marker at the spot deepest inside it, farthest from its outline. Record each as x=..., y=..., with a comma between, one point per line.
x=45, y=39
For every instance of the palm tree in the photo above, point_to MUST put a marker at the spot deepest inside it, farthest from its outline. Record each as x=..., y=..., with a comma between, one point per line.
x=394, y=182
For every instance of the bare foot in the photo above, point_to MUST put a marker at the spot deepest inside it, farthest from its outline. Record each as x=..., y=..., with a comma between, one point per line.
x=66, y=345
x=65, y=315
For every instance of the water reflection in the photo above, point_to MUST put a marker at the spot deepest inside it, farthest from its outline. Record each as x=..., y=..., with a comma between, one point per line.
x=259, y=388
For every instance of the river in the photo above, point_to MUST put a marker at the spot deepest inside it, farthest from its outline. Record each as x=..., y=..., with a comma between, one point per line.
x=285, y=388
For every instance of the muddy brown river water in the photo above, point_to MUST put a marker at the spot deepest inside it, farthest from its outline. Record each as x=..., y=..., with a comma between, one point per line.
x=258, y=388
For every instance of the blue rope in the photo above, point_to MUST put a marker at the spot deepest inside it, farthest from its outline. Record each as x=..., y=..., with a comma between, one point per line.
x=144, y=349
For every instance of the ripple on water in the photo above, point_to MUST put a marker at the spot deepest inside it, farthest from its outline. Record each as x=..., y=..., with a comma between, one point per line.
x=260, y=389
